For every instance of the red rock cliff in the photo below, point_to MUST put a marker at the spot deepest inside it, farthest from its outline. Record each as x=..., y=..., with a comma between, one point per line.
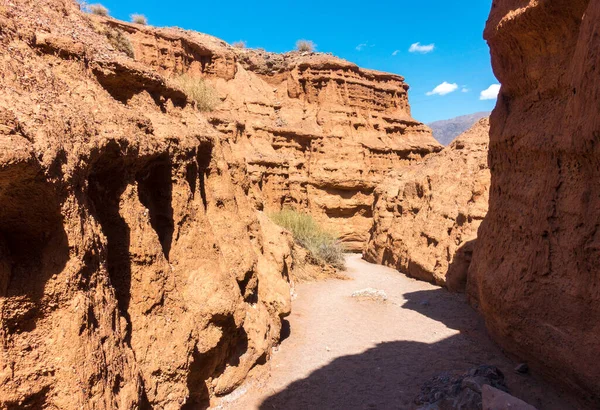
x=134, y=271
x=426, y=216
x=317, y=133
x=536, y=269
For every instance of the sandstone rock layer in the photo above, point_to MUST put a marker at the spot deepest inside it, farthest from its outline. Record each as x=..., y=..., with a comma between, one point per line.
x=137, y=268
x=536, y=268
x=426, y=216
x=326, y=135
x=316, y=133
x=134, y=271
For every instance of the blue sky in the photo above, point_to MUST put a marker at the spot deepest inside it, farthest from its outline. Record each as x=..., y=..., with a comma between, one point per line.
x=459, y=57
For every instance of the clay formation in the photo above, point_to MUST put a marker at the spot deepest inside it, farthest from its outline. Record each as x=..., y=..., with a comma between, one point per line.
x=535, y=270
x=316, y=133
x=134, y=271
x=426, y=216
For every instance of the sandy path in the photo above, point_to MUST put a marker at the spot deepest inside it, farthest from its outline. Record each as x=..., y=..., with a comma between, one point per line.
x=343, y=353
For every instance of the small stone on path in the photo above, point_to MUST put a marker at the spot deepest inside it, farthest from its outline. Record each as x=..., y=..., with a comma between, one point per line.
x=370, y=294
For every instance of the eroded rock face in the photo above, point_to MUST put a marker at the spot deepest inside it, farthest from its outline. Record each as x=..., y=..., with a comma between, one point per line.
x=327, y=134
x=426, y=216
x=134, y=271
x=536, y=267
x=316, y=133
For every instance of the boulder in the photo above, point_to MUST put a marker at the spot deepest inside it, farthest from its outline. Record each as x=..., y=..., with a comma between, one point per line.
x=496, y=399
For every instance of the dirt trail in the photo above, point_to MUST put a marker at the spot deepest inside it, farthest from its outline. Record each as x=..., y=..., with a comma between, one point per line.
x=345, y=353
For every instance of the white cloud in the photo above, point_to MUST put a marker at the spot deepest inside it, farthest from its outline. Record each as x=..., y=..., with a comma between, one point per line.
x=362, y=46
x=395, y=53
x=465, y=90
x=421, y=48
x=491, y=93
x=443, y=89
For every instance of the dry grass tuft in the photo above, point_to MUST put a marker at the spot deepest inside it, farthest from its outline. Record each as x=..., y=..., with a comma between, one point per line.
x=97, y=9
x=203, y=95
x=239, y=44
x=139, y=19
x=119, y=41
x=322, y=246
x=305, y=46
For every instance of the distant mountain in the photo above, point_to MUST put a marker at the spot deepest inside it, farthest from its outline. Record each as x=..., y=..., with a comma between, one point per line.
x=446, y=130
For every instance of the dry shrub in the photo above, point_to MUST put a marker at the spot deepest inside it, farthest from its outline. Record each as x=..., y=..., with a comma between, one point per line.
x=239, y=44
x=323, y=247
x=97, y=9
x=139, y=19
x=203, y=95
x=119, y=41
x=305, y=46
x=305, y=270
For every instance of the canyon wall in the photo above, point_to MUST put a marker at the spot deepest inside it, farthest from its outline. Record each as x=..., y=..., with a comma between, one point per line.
x=427, y=215
x=535, y=273
x=134, y=270
x=327, y=134
x=316, y=133
x=137, y=268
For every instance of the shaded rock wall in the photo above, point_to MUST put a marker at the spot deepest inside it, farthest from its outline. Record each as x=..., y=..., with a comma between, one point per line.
x=426, y=216
x=134, y=271
x=536, y=269
x=316, y=132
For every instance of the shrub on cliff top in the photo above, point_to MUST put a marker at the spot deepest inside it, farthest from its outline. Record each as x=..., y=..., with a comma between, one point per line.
x=239, y=44
x=119, y=41
x=305, y=46
x=203, y=95
x=97, y=9
x=139, y=19
x=322, y=246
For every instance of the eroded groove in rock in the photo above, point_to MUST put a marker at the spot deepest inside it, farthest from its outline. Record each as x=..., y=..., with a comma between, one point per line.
x=123, y=81
x=33, y=244
x=210, y=365
x=106, y=183
x=155, y=193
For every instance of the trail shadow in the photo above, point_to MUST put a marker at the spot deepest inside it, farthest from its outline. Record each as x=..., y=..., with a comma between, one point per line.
x=391, y=374
x=451, y=309
x=286, y=330
x=387, y=376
